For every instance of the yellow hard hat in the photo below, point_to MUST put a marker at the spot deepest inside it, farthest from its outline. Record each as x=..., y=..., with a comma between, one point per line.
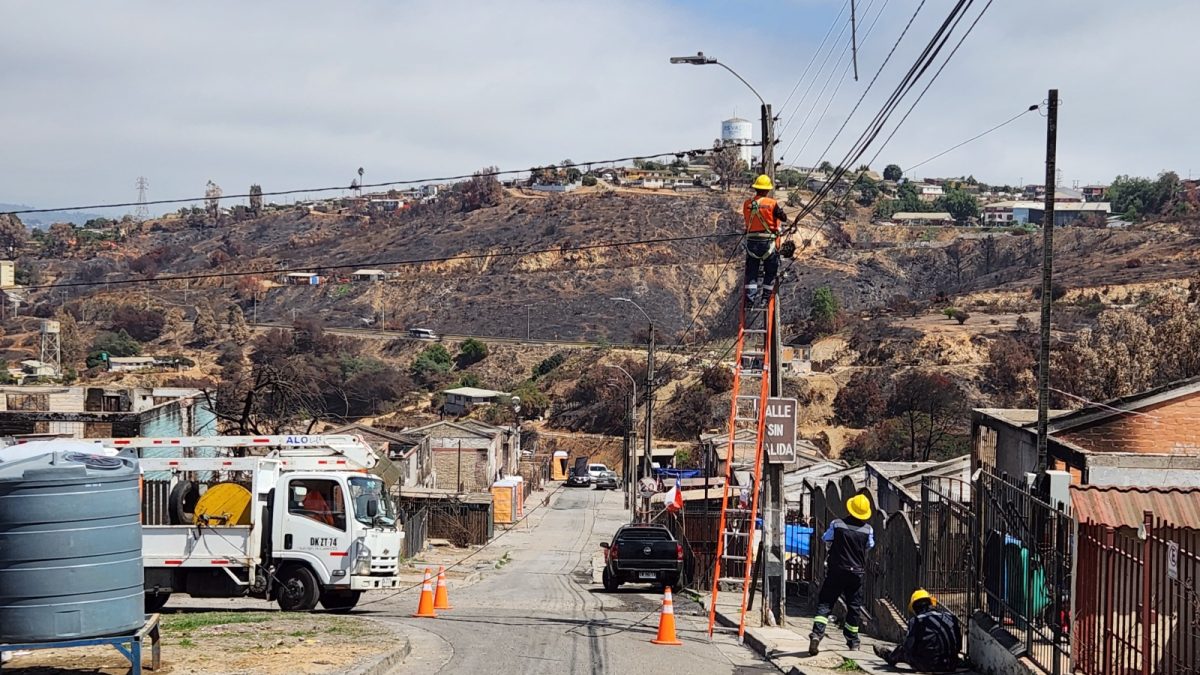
x=763, y=182
x=859, y=507
x=918, y=595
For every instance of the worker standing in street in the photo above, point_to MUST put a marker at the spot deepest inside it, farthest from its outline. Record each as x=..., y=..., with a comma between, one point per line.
x=933, y=639
x=764, y=224
x=848, y=541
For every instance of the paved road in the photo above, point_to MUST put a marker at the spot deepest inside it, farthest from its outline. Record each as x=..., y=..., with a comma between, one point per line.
x=541, y=613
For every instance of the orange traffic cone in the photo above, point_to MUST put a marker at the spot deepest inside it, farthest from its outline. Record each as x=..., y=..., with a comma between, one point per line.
x=666, y=622
x=441, y=600
x=425, y=606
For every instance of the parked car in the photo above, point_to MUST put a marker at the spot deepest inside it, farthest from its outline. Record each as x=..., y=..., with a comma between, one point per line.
x=594, y=470
x=577, y=479
x=606, y=481
x=642, y=553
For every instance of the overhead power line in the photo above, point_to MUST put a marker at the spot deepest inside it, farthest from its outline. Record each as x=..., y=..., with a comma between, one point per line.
x=392, y=183
x=952, y=148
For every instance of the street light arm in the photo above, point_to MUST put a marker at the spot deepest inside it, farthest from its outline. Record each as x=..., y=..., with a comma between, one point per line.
x=632, y=381
x=639, y=307
x=734, y=72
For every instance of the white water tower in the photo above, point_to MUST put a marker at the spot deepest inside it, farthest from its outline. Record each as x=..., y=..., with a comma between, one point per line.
x=739, y=131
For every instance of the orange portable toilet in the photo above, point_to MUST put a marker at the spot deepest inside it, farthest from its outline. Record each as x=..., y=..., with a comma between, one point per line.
x=519, y=493
x=558, y=465
x=504, y=500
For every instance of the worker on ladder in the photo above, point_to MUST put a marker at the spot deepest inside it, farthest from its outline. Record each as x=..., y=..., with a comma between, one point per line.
x=764, y=224
x=848, y=540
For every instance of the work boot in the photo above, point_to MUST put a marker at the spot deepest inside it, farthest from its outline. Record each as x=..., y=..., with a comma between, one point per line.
x=766, y=296
x=853, y=643
x=751, y=297
x=883, y=653
x=814, y=644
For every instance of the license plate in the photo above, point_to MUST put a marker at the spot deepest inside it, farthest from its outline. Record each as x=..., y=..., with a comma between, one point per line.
x=647, y=575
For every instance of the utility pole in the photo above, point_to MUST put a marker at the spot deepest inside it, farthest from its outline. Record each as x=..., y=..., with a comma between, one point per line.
x=527, y=323
x=645, y=469
x=768, y=142
x=459, y=480
x=1043, y=426
x=773, y=513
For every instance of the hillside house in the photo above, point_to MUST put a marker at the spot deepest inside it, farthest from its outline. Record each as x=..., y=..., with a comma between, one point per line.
x=468, y=456
x=1065, y=213
x=34, y=369
x=301, y=279
x=922, y=218
x=463, y=400
x=129, y=364
x=8, y=274
x=1150, y=438
x=998, y=214
x=370, y=276
x=103, y=412
x=1094, y=193
x=930, y=193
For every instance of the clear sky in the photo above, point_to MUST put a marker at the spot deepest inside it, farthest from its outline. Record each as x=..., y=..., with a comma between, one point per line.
x=295, y=94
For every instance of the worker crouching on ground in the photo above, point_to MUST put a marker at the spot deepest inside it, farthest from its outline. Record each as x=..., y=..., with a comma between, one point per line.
x=848, y=541
x=764, y=224
x=933, y=639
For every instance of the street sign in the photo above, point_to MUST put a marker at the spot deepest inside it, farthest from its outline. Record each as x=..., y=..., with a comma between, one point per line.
x=779, y=442
x=1173, y=560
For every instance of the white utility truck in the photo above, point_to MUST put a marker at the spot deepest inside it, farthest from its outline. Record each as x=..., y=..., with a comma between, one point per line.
x=297, y=519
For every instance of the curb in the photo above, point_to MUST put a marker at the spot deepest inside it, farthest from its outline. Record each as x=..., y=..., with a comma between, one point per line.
x=750, y=639
x=381, y=665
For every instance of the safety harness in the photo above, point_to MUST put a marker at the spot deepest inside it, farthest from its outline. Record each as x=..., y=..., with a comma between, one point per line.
x=756, y=213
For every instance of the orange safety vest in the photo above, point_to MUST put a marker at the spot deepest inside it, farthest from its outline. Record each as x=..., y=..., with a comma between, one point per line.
x=759, y=213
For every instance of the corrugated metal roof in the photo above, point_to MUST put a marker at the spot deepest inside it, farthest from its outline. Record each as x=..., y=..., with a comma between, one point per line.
x=1123, y=506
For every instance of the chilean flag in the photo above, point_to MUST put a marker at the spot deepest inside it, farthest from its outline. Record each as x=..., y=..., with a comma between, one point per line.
x=674, y=498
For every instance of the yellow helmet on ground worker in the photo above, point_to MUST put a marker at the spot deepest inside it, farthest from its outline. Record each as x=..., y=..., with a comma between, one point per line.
x=859, y=507
x=763, y=182
x=919, y=595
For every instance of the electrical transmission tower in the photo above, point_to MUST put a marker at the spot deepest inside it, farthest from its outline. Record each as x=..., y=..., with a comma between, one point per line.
x=142, y=212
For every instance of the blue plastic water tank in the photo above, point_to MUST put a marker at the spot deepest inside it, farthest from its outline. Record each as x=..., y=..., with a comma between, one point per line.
x=70, y=547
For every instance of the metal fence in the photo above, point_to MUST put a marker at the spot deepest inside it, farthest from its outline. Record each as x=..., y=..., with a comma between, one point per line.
x=416, y=532
x=461, y=523
x=1023, y=569
x=1137, y=599
x=697, y=532
x=947, y=550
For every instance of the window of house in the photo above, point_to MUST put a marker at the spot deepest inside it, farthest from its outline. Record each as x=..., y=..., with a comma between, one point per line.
x=319, y=500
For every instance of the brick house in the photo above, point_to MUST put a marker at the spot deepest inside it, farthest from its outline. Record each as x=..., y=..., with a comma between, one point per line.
x=1145, y=439
x=469, y=453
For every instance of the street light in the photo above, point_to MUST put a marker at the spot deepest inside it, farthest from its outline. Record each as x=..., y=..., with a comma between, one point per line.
x=768, y=123
x=649, y=386
x=630, y=443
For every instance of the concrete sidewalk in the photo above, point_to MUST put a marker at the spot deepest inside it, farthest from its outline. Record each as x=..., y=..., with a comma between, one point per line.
x=787, y=648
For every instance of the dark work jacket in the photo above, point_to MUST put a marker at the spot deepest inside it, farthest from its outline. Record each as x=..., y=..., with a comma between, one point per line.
x=933, y=640
x=851, y=539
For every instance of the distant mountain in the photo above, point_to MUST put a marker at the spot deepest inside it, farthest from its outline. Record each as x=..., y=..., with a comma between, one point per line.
x=43, y=219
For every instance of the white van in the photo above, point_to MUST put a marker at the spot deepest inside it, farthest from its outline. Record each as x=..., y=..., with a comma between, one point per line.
x=422, y=334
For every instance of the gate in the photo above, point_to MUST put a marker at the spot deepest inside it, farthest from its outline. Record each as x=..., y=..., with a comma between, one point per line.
x=947, y=556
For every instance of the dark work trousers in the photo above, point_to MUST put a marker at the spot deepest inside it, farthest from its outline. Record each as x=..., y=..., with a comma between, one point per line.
x=757, y=258
x=941, y=664
x=847, y=586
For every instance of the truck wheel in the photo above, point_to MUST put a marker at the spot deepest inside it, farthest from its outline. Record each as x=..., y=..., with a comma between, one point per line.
x=298, y=590
x=156, y=601
x=340, y=602
x=611, y=583
x=181, y=503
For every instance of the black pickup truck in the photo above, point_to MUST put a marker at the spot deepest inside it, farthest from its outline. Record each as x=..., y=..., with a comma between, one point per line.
x=642, y=554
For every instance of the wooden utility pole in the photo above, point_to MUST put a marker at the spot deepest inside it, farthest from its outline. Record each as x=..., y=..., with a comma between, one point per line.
x=645, y=463
x=1043, y=425
x=773, y=510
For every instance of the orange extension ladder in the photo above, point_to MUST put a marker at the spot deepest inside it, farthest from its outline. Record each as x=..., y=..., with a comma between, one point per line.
x=734, y=563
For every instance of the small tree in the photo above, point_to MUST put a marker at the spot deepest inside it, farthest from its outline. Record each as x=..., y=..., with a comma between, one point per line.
x=204, y=328
x=239, y=332
x=70, y=338
x=862, y=401
x=173, y=325
x=256, y=200
x=826, y=313
x=212, y=199
x=960, y=316
x=143, y=324
x=471, y=351
x=12, y=235
x=892, y=172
